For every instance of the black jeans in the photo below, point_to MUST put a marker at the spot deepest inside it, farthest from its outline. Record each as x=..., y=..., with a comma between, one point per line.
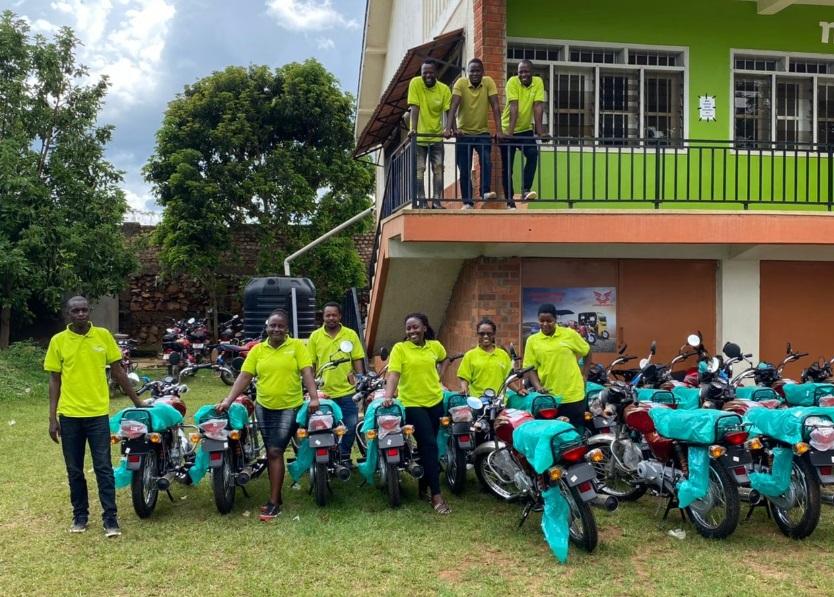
x=464, y=146
x=426, y=421
x=531, y=157
x=76, y=432
x=575, y=412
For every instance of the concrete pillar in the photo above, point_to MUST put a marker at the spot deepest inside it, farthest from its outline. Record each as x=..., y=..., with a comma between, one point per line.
x=105, y=312
x=738, y=304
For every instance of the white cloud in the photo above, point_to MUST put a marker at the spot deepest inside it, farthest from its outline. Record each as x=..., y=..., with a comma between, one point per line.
x=308, y=15
x=325, y=43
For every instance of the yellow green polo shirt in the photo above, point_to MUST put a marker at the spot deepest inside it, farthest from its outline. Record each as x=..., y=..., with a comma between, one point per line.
x=324, y=349
x=433, y=102
x=81, y=361
x=484, y=370
x=473, y=111
x=554, y=358
x=526, y=97
x=417, y=365
x=279, y=372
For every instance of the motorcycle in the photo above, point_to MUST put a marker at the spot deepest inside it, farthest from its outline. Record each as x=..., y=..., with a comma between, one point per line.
x=231, y=448
x=598, y=378
x=770, y=376
x=126, y=346
x=231, y=331
x=223, y=372
x=676, y=453
x=369, y=387
x=154, y=443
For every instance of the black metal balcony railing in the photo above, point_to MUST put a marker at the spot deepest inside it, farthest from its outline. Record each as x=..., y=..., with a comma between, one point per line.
x=608, y=172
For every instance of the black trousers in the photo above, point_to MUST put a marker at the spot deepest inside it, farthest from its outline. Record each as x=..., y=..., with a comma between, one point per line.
x=76, y=433
x=426, y=421
x=575, y=412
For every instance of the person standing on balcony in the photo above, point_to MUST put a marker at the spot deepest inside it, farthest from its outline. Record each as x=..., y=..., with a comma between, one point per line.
x=429, y=101
x=473, y=98
x=522, y=122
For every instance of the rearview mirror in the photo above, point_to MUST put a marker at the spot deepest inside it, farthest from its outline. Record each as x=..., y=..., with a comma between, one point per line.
x=788, y=349
x=732, y=350
x=714, y=364
x=191, y=320
x=623, y=349
x=383, y=353
x=643, y=363
x=489, y=393
x=653, y=347
x=346, y=346
x=133, y=377
x=474, y=403
x=694, y=340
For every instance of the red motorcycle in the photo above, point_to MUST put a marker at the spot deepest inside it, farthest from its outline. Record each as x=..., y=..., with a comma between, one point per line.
x=126, y=346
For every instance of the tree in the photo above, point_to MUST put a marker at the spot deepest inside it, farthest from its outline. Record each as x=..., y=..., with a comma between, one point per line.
x=61, y=207
x=265, y=147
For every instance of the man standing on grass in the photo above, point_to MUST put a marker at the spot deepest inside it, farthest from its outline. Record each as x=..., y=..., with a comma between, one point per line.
x=79, y=405
x=524, y=110
x=324, y=346
x=473, y=99
x=429, y=101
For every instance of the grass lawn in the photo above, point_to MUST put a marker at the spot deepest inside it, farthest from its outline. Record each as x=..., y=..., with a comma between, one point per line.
x=355, y=545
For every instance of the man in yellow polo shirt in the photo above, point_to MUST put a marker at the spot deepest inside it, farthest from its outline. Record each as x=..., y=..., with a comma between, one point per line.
x=523, y=112
x=429, y=101
x=324, y=347
x=472, y=100
x=79, y=405
x=554, y=352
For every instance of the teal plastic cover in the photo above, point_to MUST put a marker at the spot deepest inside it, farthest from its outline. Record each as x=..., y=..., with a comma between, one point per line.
x=305, y=455
x=806, y=394
x=162, y=416
x=122, y=474
x=654, y=395
x=592, y=389
x=756, y=393
x=368, y=468
x=200, y=467
x=555, y=522
x=532, y=401
x=777, y=481
x=693, y=426
x=687, y=398
x=537, y=440
x=450, y=400
x=325, y=406
x=695, y=486
x=237, y=415
x=785, y=424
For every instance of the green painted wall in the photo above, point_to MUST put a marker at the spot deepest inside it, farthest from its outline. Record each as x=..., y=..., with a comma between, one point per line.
x=710, y=29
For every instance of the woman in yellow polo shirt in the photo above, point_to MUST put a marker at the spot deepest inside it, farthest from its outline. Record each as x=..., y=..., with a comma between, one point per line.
x=554, y=352
x=414, y=369
x=486, y=366
x=280, y=364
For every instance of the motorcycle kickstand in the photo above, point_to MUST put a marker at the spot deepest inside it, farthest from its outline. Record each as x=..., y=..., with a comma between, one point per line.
x=671, y=504
x=170, y=497
x=245, y=493
x=525, y=514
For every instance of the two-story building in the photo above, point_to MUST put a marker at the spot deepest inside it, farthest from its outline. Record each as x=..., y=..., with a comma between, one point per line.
x=688, y=183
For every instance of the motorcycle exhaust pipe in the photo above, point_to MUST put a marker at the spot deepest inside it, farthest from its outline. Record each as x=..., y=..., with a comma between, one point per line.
x=244, y=476
x=164, y=482
x=605, y=502
x=342, y=472
x=415, y=469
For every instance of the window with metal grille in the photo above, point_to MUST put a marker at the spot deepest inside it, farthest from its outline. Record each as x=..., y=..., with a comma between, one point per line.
x=573, y=105
x=533, y=52
x=752, y=111
x=794, y=110
x=809, y=66
x=594, y=55
x=652, y=58
x=757, y=63
x=663, y=106
x=619, y=109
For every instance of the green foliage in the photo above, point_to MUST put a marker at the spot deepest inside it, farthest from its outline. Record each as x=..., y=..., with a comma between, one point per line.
x=21, y=371
x=61, y=207
x=263, y=146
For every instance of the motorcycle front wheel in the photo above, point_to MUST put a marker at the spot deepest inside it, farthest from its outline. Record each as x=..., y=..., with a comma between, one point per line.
x=802, y=518
x=491, y=481
x=227, y=376
x=715, y=516
x=614, y=481
x=583, y=525
x=143, y=489
x=223, y=484
x=319, y=480
x=455, y=467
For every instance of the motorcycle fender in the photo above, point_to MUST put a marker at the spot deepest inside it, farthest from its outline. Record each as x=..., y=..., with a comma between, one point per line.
x=464, y=445
x=322, y=440
x=392, y=458
x=394, y=440
x=323, y=457
x=601, y=439
x=487, y=447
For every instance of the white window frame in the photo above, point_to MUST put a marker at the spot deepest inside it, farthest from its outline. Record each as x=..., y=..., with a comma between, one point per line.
x=782, y=72
x=621, y=64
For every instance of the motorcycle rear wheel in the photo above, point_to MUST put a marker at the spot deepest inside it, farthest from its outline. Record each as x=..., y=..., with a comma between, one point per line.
x=143, y=489
x=723, y=490
x=455, y=467
x=801, y=520
x=391, y=481
x=319, y=481
x=490, y=481
x=223, y=484
x=583, y=525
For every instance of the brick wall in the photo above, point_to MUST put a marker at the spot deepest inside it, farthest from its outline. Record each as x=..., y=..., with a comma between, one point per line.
x=486, y=287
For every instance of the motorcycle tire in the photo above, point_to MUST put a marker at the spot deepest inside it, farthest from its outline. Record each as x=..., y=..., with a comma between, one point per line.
x=719, y=481
x=320, y=483
x=505, y=492
x=455, y=467
x=605, y=335
x=174, y=371
x=392, y=484
x=143, y=489
x=583, y=525
x=227, y=377
x=223, y=484
x=626, y=492
x=806, y=487
x=592, y=338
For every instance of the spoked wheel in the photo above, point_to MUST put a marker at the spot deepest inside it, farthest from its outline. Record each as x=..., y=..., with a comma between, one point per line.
x=455, y=467
x=583, y=525
x=319, y=480
x=614, y=480
x=223, y=484
x=715, y=516
x=492, y=480
x=227, y=376
x=390, y=477
x=797, y=511
x=143, y=489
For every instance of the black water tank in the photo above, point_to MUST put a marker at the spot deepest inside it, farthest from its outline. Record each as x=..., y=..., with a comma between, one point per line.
x=262, y=295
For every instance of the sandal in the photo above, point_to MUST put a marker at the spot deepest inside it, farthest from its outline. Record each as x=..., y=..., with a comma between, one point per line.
x=441, y=507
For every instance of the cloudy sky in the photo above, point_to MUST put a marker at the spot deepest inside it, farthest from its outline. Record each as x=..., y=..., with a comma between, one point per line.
x=150, y=49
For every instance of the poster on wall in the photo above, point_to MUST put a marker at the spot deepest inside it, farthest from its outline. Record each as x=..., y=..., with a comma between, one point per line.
x=590, y=311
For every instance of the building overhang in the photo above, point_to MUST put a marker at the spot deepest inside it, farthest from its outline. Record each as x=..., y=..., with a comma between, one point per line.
x=770, y=7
